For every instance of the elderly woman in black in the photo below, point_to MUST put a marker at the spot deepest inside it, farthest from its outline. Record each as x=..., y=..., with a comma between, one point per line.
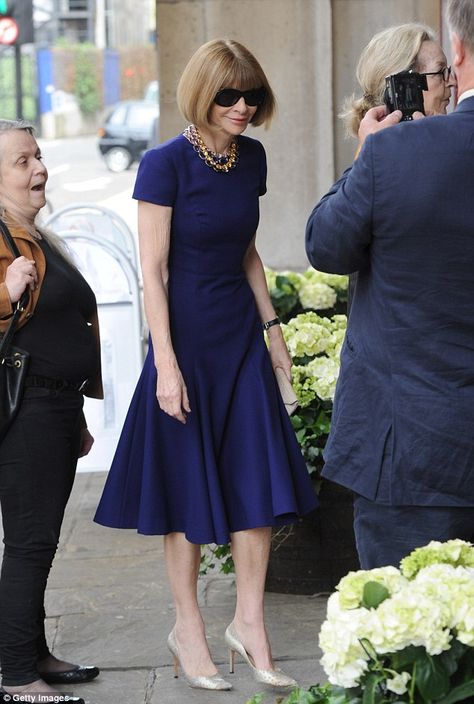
x=38, y=454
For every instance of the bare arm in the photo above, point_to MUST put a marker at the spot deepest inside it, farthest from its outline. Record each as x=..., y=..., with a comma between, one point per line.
x=154, y=227
x=256, y=277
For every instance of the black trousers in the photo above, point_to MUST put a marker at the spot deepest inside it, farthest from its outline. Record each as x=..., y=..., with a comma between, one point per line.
x=38, y=458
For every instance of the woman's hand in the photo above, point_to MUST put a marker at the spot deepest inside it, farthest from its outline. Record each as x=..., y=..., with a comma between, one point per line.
x=171, y=391
x=86, y=443
x=278, y=350
x=20, y=274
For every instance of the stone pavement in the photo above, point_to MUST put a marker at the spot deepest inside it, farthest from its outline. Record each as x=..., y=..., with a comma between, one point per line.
x=108, y=604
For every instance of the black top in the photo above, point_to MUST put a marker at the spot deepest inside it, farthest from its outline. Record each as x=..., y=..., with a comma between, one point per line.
x=59, y=337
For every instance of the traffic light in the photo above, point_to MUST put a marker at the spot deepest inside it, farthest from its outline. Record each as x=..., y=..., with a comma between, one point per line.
x=16, y=22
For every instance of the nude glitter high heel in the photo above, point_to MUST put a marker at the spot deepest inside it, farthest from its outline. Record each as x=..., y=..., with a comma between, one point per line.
x=203, y=682
x=275, y=678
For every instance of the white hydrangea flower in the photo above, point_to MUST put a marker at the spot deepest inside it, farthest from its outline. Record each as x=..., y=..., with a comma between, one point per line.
x=398, y=683
x=428, y=610
x=408, y=618
x=294, y=277
x=337, y=281
x=316, y=295
x=351, y=586
x=270, y=276
x=344, y=659
x=323, y=373
x=306, y=337
x=453, y=552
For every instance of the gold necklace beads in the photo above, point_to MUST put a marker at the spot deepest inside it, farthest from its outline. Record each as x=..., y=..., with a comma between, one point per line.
x=219, y=162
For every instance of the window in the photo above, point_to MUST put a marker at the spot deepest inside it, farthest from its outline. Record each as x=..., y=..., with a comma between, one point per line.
x=78, y=5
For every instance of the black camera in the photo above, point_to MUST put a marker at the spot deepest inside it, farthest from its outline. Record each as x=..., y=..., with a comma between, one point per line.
x=404, y=91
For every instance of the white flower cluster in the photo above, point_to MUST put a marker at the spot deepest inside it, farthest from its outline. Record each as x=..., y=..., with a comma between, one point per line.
x=316, y=290
x=309, y=335
x=316, y=295
x=429, y=610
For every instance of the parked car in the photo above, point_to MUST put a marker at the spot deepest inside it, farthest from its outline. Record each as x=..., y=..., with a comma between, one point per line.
x=151, y=92
x=127, y=131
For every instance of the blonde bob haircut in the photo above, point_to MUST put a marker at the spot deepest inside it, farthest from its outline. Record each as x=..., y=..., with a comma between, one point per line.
x=393, y=50
x=219, y=64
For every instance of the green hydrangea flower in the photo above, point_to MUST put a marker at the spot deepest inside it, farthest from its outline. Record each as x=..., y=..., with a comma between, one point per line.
x=351, y=586
x=452, y=552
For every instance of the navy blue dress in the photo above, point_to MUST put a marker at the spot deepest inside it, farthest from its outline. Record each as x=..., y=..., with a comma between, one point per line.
x=236, y=463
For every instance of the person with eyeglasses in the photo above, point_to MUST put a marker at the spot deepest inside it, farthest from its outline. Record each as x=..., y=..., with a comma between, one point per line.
x=405, y=47
x=402, y=425
x=208, y=453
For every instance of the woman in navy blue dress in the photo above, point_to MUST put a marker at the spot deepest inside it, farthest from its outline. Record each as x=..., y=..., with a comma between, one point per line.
x=207, y=453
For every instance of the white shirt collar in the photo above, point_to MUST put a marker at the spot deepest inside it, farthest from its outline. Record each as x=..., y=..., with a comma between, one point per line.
x=467, y=94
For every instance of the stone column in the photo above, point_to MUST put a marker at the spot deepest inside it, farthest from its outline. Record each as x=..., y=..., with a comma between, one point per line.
x=292, y=41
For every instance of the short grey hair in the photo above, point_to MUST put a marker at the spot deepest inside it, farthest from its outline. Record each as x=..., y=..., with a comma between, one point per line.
x=460, y=16
x=7, y=125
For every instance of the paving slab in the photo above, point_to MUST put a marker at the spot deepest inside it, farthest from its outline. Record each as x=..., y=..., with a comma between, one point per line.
x=108, y=603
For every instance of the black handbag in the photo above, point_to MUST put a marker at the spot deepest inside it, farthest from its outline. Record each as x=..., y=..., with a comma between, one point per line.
x=13, y=360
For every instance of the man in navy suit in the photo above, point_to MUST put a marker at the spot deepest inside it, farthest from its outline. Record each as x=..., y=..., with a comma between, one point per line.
x=402, y=434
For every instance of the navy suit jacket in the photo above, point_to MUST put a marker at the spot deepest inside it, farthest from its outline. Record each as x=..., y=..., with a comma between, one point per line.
x=402, y=430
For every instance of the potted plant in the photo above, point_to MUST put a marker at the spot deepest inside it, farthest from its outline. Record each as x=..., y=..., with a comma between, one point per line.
x=400, y=636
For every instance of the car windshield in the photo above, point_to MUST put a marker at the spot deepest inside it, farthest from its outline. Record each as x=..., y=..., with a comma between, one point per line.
x=117, y=116
x=141, y=115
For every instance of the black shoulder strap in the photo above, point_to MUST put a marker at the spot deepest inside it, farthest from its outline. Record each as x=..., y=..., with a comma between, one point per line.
x=9, y=332
x=9, y=239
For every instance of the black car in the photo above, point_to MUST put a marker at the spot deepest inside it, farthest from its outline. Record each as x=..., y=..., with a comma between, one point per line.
x=128, y=129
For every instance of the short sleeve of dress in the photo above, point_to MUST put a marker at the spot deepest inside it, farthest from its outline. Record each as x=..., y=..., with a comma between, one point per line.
x=262, y=188
x=156, y=178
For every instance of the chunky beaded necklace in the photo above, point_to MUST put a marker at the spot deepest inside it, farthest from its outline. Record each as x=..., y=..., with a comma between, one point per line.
x=219, y=162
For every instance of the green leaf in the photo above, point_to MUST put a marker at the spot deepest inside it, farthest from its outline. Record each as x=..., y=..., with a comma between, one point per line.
x=373, y=594
x=403, y=659
x=431, y=678
x=256, y=699
x=450, y=658
x=463, y=693
x=369, y=648
x=332, y=694
x=300, y=435
x=372, y=692
x=302, y=696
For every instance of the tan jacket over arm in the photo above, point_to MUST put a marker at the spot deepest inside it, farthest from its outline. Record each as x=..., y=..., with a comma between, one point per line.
x=29, y=248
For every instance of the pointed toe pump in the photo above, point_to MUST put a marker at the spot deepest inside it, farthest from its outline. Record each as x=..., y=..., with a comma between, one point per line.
x=202, y=682
x=274, y=678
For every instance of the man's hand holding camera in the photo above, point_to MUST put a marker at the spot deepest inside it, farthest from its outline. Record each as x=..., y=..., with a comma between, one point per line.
x=376, y=119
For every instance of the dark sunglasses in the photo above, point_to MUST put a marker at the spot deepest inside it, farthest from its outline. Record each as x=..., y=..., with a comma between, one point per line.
x=230, y=96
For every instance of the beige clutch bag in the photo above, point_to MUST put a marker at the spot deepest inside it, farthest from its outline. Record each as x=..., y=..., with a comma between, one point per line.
x=287, y=392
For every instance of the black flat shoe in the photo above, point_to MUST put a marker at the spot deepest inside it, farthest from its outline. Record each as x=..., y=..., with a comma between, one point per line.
x=77, y=675
x=20, y=696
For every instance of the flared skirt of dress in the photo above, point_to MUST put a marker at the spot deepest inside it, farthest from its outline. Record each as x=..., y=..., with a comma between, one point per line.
x=236, y=463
